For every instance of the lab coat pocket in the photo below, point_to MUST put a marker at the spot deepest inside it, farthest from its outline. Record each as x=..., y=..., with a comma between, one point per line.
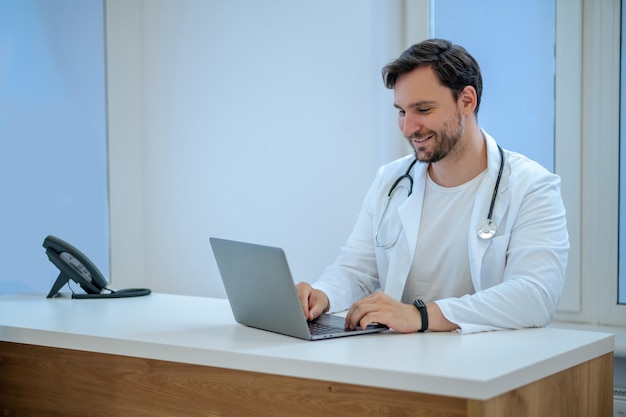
x=494, y=261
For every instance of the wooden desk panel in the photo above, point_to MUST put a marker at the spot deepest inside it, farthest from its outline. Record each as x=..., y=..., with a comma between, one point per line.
x=583, y=390
x=46, y=381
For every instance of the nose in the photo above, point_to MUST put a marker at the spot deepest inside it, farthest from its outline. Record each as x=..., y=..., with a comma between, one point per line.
x=409, y=124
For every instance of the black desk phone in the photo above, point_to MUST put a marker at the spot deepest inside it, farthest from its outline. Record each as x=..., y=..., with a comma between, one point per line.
x=75, y=266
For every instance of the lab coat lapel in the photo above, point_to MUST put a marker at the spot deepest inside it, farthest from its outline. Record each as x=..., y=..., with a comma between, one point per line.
x=410, y=213
x=477, y=246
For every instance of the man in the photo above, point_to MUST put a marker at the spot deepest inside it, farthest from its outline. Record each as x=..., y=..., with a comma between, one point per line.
x=472, y=238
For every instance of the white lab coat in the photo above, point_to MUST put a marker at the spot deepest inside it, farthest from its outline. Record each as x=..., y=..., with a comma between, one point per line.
x=518, y=275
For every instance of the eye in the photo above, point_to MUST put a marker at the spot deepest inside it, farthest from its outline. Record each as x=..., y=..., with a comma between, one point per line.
x=424, y=110
x=401, y=112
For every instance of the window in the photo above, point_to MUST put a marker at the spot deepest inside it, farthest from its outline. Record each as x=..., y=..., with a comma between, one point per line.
x=517, y=106
x=531, y=89
x=53, y=165
x=586, y=149
x=546, y=38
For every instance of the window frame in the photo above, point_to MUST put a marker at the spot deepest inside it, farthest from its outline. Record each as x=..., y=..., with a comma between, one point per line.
x=600, y=169
x=595, y=250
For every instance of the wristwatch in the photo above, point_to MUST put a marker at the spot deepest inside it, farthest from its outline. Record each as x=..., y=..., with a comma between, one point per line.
x=421, y=307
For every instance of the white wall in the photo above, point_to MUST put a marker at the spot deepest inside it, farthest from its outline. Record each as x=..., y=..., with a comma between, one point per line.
x=255, y=121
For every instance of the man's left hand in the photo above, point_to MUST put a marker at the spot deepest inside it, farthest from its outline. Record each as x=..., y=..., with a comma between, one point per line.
x=380, y=308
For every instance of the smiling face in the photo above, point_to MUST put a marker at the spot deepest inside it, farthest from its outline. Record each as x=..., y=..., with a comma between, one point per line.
x=429, y=116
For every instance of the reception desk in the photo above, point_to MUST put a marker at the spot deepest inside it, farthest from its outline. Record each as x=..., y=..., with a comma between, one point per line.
x=169, y=355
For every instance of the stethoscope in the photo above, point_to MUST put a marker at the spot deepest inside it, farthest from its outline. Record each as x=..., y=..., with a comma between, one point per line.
x=486, y=229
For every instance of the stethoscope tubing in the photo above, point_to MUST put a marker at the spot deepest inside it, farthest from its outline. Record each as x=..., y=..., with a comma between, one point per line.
x=406, y=175
x=497, y=186
x=487, y=228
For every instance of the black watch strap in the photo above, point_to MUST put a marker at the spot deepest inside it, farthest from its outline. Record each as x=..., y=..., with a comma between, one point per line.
x=421, y=307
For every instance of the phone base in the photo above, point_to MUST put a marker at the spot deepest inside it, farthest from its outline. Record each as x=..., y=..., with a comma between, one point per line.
x=58, y=284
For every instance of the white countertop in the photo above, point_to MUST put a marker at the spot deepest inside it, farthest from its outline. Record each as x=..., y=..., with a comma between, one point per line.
x=202, y=331
x=618, y=332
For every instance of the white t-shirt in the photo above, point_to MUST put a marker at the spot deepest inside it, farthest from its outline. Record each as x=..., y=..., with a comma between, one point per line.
x=441, y=263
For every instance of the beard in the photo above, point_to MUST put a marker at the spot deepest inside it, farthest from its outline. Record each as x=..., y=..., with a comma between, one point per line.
x=446, y=142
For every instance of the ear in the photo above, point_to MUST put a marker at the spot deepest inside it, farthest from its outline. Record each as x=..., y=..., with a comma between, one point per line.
x=467, y=100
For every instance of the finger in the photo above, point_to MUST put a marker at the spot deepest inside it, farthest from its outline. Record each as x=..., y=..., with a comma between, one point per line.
x=372, y=317
x=315, y=311
x=358, y=311
x=367, y=320
x=304, y=292
x=348, y=321
x=353, y=316
x=318, y=304
x=350, y=317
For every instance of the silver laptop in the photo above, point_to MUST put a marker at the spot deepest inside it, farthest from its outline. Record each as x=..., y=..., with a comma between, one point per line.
x=262, y=293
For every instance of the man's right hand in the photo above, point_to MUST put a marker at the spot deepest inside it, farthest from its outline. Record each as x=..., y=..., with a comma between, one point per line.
x=314, y=302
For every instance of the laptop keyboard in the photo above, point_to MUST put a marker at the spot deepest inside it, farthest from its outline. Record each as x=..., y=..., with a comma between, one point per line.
x=319, y=328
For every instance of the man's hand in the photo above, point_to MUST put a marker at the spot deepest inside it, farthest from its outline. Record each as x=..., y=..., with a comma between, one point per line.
x=314, y=302
x=380, y=308
x=404, y=318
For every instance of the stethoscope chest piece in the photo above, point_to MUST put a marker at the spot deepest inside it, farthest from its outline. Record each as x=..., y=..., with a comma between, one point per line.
x=486, y=229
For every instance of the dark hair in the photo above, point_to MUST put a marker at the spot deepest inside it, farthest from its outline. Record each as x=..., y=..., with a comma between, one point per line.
x=454, y=66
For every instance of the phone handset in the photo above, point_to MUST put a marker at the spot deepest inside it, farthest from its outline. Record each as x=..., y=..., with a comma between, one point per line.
x=78, y=267
x=74, y=265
